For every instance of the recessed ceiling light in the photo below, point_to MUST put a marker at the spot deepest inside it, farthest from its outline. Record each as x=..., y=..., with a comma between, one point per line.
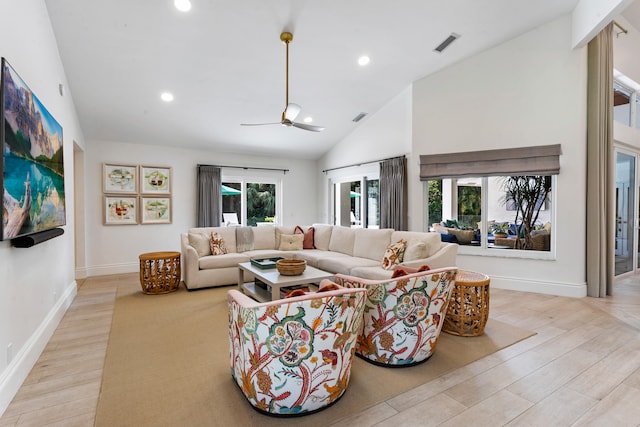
x=308, y=119
x=182, y=5
x=364, y=60
x=166, y=96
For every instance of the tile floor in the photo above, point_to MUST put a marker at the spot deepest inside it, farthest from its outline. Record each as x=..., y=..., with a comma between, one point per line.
x=581, y=368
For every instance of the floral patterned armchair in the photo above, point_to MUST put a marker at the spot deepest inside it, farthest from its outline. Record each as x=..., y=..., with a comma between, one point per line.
x=293, y=356
x=403, y=316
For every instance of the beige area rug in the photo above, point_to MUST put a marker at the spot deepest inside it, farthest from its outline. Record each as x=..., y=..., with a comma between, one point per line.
x=167, y=364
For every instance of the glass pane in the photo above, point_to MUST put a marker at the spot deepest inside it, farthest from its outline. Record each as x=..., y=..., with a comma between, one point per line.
x=625, y=173
x=355, y=198
x=373, y=203
x=519, y=212
x=469, y=202
x=261, y=203
x=621, y=104
x=434, y=207
x=231, y=203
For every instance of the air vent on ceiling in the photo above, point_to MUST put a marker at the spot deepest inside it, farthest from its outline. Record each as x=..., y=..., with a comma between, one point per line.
x=442, y=46
x=359, y=117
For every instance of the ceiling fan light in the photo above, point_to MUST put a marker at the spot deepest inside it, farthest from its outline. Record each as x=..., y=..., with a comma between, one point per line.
x=308, y=119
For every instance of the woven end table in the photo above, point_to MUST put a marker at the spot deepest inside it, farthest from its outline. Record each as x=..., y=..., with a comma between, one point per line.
x=468, y=308
x=159, y=272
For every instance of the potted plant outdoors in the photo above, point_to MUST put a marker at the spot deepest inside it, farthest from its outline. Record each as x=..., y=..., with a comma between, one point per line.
x=500, y=229
x=527, y=194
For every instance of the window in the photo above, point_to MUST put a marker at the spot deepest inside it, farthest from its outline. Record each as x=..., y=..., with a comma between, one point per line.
x=356, y=200
x=504, y=204
x=517, y=211
x=254, y=201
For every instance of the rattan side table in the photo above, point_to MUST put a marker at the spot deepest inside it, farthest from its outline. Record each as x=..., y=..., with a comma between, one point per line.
x=468, y=308
x=159, y=272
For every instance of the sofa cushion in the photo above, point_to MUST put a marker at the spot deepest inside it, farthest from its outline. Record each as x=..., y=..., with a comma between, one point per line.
x=201, y=243
x=394, y=254
x=371, y=243
x=291, y=242
x=322, y=236
x=415, y=251
x=221, y=261
x=344, y=264
x=342, y=240
x=217, y=244
x=372, y=272
x=313, y=256
x=307, y=243
x=432, y=240
x=227, y=233
x=264, y=237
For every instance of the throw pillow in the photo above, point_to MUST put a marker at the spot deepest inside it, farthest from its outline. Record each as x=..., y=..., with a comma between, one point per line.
x=217, y=244
x=307, y=243
x=394, y=254
x=296, y=293
x=291, y=242
x=329, y=287
x=201, y=243
x=400, y=271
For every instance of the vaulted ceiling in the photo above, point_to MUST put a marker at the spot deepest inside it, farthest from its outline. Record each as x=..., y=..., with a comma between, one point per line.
x=225, y=64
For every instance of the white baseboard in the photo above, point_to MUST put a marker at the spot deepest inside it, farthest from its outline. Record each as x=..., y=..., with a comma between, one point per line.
x=22, y=363
x=82, y=273
x=104, y=270
x=575, y=290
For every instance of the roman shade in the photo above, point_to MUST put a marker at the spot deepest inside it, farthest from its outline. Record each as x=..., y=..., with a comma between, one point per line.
x=539, y=160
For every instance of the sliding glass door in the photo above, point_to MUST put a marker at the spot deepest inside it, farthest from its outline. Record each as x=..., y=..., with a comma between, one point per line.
x=626, y=213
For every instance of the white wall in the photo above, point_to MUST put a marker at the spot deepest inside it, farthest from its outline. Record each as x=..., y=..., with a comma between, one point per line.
x=115, y=249
x=383, y=134
x=528, y=91
x=36, y=284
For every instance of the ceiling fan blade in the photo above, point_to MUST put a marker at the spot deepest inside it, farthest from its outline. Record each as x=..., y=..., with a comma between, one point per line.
x=308, y=127
x=292, y=111
x=259, y=124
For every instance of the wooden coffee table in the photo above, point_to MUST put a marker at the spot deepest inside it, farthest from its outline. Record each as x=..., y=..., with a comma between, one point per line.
x=275, y=280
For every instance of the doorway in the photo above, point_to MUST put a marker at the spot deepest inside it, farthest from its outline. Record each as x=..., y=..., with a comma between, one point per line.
x=626, y=213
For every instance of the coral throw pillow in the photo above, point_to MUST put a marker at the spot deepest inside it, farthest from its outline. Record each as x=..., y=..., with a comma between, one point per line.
x=394, y=254
x=217, y=244
x=307, y=243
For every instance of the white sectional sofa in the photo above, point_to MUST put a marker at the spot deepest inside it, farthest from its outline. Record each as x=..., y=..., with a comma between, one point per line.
x=351, y=251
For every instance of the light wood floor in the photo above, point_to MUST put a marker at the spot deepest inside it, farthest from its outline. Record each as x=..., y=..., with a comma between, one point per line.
x=582, y=368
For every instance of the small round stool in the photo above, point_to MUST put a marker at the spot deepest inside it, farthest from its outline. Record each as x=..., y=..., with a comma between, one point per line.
x=159, y=272
x=468, y=308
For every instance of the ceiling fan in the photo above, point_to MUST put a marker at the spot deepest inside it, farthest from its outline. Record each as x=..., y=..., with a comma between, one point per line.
x=291, y=110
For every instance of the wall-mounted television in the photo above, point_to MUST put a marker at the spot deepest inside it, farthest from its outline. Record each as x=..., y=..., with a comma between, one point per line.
x=31, y=166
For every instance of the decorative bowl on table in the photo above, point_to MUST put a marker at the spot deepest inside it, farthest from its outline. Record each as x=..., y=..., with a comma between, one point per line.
x=291, y=267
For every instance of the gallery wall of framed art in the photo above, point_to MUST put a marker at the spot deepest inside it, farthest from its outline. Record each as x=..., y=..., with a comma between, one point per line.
x=136, y=194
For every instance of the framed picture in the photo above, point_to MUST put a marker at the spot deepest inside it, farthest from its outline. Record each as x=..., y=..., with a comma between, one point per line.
x=155, y=180
x=119, y=178
x=120, y=210
x=155, y=210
